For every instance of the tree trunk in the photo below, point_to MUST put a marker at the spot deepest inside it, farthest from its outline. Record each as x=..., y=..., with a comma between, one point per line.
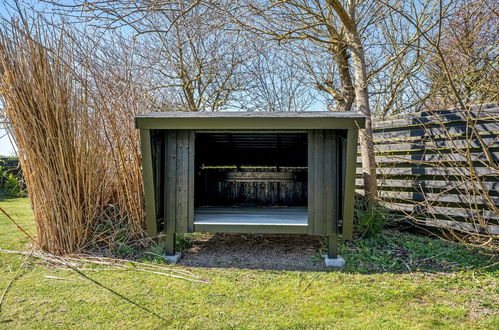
x=347, y=90
x=347, y=17
x=366, y=134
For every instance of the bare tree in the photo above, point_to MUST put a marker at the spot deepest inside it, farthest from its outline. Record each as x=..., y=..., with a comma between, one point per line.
x=332, y=26
x=468, y=39
x=275, y=82
x=193, y=54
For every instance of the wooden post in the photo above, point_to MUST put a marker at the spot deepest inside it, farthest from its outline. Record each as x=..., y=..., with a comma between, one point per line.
x=148, y=179
x=169, y=244
x=332, y=246
x=350, y=169
x=170, y=191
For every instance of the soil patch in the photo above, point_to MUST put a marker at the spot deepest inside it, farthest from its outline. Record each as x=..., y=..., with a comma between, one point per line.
x=255, y=251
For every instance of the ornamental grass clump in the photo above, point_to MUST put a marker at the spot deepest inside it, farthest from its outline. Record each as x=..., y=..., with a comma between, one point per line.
x=79, y=157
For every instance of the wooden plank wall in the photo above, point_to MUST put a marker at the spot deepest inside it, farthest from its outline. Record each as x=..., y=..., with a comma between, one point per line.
x=267, y=186
x=322, y=182
x=179, y=181
x=424, y=171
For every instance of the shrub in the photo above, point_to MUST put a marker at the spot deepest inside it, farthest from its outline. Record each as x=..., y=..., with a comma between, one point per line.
x=371, y=220
x=13, y=186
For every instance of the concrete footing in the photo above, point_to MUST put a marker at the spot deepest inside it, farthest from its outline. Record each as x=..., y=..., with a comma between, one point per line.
x=339, y=262
x=174, y=258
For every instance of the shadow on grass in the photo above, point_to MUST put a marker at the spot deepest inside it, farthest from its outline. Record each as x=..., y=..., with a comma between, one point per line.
x=393, y=251
x=6, y=198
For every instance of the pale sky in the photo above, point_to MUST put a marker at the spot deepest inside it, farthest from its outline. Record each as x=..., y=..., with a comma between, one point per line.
x=6, y=148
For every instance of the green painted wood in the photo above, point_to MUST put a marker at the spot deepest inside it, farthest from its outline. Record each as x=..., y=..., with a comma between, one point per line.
x=148, y=179
x=207, y=123
x=256, y=131
x=168, y=240
x=323, y=182
x=330, y=181
x=349, y=195
x=319, y=199
x=332, y=246
x=182, y=214
x=311, y=181
x=192, y=170
x=257, y=229
x=158, y=148
x=170, y=184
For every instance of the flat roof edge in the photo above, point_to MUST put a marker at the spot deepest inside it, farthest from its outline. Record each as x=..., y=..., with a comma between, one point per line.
x=258, y=114
x=236, y=123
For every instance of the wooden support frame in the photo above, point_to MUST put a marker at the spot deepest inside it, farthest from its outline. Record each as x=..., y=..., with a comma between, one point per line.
x=332, y=246
x=177, y=196
x=148, y=181
x=350, y=169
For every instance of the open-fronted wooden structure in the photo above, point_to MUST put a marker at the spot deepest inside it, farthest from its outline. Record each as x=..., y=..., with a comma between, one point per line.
x=249, y=172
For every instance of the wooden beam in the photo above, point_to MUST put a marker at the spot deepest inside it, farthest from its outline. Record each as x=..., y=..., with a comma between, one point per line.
x=349, y=197
x=247, y=228
x=191, y=185
x=182, y=214
x=148, y=179
x=311, y=182
x=212, y=123
x=332, y=246
x=170, y=184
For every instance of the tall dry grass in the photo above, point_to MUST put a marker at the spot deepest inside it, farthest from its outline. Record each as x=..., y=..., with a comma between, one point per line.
x=76, y=141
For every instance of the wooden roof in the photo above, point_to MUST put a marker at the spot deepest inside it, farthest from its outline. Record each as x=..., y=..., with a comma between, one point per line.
x=251, y=120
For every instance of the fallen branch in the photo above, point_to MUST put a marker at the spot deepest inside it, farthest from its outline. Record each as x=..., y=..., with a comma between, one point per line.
x=28, y=255
x=81, y=261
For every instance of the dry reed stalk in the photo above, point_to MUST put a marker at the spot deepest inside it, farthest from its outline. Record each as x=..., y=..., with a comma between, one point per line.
x=60, y=146
x=85, y=263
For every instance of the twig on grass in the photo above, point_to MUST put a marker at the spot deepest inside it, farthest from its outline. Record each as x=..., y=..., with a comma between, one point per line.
x=16, y=224
x=310, y=283
x=59, y=278
x=14, y=278
x=113, y=264
x=76, y=270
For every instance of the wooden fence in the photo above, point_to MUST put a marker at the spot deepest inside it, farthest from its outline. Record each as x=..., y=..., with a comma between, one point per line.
x=441, y=167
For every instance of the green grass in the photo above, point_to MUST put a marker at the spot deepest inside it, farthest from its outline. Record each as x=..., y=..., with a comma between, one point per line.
x=395, y=282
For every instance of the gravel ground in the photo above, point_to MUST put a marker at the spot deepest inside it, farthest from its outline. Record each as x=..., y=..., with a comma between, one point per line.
x=255, y=251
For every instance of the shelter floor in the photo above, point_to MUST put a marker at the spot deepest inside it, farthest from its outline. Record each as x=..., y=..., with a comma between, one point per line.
x=288, y=216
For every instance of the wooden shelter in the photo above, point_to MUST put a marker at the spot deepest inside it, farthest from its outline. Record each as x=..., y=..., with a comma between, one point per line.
x=249, y=172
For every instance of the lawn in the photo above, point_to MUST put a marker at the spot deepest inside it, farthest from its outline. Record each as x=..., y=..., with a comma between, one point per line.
x=401, y=280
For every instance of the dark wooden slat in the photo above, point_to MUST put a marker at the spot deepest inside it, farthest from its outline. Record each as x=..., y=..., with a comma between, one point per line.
x=456, y=187
x=319, y=184
x=445, y=212
x=311, y=182
x=434, y=145
x=171, y=181
x=148, y=179
x=420, y=170
x=445, y=199
x=191, y=173
x=182, y=215
x=348, y=208
x=481, y=126
x=330, y=180
x=158, y=148
x=408, y=123
x=418, y=157
x=253, y=229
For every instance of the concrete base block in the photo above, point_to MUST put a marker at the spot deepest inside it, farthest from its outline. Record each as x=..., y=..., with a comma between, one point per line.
x=174, y=258
x=339, y=262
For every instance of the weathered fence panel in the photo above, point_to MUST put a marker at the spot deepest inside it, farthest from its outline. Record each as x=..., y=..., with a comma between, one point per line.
x=441, y=167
